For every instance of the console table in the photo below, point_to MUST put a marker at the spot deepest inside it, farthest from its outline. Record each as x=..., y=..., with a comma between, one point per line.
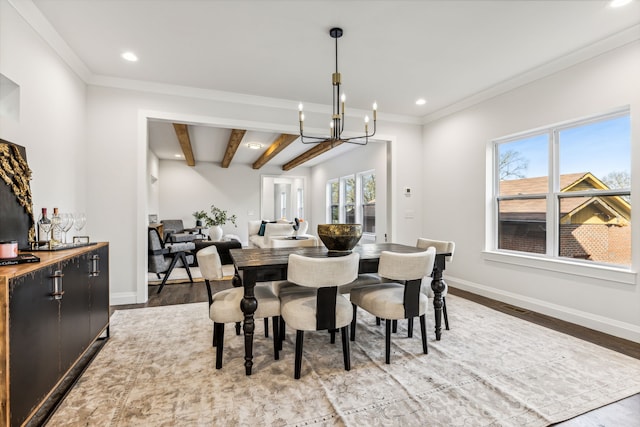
x=50, y=314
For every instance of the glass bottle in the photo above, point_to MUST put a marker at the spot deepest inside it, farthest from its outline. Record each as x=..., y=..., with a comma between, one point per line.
x=56, y=228
x=44, y=226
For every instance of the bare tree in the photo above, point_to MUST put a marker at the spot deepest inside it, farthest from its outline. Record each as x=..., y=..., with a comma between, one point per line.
x=512, y=165
x=617, y=179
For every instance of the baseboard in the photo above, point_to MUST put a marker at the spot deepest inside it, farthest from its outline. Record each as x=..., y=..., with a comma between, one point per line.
x=122, y=298
x=603, y=324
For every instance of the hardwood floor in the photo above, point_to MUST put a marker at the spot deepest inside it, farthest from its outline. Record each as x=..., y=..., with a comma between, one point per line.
x=624, y=413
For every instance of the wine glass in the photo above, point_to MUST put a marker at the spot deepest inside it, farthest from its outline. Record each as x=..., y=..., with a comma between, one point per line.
x=80, y=219
x=67, y=223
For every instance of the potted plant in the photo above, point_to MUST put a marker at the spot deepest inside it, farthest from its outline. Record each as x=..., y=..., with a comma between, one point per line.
x=199, y=216
x=216, y=220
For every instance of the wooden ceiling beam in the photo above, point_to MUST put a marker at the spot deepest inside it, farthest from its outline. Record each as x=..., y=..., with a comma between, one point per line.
x=185, y=143
x=321, y=148
x=232, y=146
x=277, y=146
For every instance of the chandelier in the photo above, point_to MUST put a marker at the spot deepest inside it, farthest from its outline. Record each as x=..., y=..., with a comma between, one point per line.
x=337, y=119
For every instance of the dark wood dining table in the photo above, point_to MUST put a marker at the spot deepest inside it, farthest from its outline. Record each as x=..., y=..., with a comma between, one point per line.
x=264, y=265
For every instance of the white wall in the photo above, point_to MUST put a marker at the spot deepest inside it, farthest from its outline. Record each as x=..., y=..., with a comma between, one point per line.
x=51, y=121
x=455, y=152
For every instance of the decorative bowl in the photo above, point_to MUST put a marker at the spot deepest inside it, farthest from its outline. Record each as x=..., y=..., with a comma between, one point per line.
x=340, y=237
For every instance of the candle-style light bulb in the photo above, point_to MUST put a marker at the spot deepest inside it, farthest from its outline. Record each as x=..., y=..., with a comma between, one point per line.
x=300, y=114
x=300, y=107
x=343, y=98
x=366, y=124
x=375, y=110
x=302, y=117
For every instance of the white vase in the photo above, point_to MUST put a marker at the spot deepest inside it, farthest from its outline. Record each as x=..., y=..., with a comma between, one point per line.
x=215, y=233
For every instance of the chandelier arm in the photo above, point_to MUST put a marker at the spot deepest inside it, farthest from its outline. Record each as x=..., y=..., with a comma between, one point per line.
x=316, y=139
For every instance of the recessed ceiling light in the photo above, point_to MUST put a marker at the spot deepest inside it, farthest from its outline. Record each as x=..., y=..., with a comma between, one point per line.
x=177, y=155
x=619, y=3
x=129, y=56
x=421, y=101
x=254, y=145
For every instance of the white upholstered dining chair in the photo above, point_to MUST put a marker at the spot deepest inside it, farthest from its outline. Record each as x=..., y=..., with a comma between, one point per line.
x=399, y=295
x=319, y=306
x=224, y=306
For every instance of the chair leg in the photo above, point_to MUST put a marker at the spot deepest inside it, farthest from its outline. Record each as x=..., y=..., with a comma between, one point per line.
x=332, y=332
x=220, y=344
x=444, y=313
x=298, y=361
x=377, y=321
x=410, y=327
x=276, y=337
x=237, y=328
x=345, y=348
x=174, y=261
x=353, y=322
x=266, y=327
x=281, y=332
x=214, y=335
x=395, y=326
x=423, y=331
x=387, y=342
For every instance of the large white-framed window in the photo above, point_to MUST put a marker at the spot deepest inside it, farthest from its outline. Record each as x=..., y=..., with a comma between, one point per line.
x=564, y=191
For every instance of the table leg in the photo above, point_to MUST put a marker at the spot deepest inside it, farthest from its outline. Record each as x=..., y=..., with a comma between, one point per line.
x=437, y=285
x=248, y=305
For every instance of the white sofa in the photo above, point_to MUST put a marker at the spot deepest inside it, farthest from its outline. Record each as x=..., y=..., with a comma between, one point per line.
x=278, y=229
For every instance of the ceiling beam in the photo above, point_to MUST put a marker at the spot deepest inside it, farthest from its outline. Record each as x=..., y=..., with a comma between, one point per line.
x=277, y=146
x=321, y=148
x=232, y=146
x=185, y=143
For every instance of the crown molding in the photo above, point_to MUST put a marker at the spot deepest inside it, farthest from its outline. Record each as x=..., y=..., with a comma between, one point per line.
x=568, y=60
x=32, y=16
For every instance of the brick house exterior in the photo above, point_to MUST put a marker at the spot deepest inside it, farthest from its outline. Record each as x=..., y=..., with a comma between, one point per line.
x=593, y=228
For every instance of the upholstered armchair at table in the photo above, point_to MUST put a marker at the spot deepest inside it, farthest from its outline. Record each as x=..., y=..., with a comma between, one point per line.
x=442, y=246
x=164, y=257
x=398, y=298
x=174, y=231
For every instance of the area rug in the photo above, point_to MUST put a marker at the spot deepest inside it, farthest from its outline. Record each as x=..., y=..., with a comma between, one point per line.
x=490, y=369
x=178, y=275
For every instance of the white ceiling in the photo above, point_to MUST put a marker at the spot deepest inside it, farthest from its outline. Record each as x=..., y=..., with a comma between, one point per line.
x=392, y=52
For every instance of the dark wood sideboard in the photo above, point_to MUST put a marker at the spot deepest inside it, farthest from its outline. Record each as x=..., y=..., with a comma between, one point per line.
x=50, y=314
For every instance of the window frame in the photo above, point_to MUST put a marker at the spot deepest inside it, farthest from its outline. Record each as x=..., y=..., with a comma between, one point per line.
x=550, y=260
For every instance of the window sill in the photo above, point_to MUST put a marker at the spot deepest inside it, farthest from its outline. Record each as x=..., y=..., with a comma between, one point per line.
x=596, y=271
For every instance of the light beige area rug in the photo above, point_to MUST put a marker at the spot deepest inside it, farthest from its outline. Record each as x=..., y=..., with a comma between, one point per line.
x=490, y=369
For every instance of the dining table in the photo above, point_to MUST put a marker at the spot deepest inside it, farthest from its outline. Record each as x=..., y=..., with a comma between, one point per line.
x=255, y=265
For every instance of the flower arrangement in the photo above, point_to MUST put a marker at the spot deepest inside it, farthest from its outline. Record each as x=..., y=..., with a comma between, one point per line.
x=218, y=217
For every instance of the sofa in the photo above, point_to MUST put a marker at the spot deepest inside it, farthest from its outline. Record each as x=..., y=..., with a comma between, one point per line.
x=262, y=237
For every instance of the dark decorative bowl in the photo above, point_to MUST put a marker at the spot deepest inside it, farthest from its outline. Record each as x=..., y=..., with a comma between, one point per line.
x=340, y=237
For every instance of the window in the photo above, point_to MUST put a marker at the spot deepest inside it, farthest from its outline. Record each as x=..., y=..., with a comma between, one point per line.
x=349, y=205
x=368, y=201
x=352, y=199
x=300, y=199
x=334, y=202
x=565, y=191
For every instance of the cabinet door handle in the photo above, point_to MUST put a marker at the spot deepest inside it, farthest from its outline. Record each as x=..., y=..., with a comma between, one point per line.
x=57, y=284
x=95, y=265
